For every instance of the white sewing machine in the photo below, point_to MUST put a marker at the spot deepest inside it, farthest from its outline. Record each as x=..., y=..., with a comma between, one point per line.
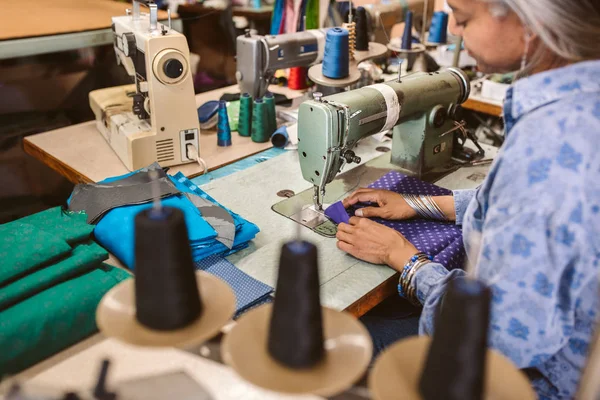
x=154, y=119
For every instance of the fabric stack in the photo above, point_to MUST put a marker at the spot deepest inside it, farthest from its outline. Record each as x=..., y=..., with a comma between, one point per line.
x=52, y=278
x=113, y=204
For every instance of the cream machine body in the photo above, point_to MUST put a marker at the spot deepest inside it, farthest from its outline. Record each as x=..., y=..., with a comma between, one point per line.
x=419, y=110
x=154, y=120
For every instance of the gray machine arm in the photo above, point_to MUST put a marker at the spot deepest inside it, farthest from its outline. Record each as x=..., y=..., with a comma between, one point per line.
x=418, y=109
x=258, y=57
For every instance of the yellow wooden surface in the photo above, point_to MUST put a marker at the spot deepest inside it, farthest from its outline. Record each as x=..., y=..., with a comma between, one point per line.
x=31, y=18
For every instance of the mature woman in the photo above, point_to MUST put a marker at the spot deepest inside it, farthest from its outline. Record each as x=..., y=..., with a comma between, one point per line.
x=536, y=218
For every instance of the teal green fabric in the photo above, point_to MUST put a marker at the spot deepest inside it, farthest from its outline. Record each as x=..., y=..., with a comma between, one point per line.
x=54, y=319
x=24, y=247
x=83, y=258
x=67, y=225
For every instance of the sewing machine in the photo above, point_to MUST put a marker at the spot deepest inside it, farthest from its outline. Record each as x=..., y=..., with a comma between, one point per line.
x=420, y=109
x=155, y=119
x=383, y=17
x=258, y=57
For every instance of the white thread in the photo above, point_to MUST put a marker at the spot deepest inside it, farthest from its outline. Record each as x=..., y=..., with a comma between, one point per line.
x=192, y=152
x=392, y=105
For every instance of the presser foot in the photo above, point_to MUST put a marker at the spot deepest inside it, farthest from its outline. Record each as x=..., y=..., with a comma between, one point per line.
x=316, y=220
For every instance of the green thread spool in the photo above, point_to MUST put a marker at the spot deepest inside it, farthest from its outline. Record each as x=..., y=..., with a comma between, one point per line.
x=271, y=116
x=245, y=115
x=259, y=122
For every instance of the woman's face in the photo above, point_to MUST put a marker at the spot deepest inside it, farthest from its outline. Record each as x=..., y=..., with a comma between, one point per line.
x=497, y=43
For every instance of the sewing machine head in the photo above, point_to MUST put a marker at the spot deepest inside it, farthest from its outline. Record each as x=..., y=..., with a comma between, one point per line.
x=155, y=119
x=258, y=57
x=419, y=109
x=383, y=16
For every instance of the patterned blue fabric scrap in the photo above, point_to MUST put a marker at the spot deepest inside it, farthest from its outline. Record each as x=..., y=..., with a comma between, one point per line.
x=248, y=291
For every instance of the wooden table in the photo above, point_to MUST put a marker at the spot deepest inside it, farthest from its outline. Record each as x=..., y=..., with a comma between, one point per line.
x=32, y=27
x=481, y=104
x=81, y=154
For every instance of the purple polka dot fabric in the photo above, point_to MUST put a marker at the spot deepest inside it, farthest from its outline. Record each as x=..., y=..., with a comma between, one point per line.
x=442, y=240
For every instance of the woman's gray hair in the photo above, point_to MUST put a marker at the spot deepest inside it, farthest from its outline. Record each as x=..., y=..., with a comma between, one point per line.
x=569, y=29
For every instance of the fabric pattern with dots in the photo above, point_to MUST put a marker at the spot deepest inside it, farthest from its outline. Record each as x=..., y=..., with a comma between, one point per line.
x=441, y=240
x=249, y=292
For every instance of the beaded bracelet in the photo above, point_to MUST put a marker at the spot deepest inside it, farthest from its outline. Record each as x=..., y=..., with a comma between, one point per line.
x=404, y=283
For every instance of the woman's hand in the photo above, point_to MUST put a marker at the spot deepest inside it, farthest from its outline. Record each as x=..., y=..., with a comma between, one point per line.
x=374, y=243
x=391, y=205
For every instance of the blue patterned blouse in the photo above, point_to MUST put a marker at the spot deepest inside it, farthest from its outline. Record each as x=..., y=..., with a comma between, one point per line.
x=536, y=224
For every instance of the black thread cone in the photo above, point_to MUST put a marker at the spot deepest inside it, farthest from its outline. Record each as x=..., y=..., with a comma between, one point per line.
x=296, y=330
x=362, y=32
x=166, y=292
x=455, y=365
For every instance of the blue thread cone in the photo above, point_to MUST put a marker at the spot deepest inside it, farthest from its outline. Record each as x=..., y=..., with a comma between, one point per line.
x=407, y=36
x=280, y=137
x=223, y=130
x=438, y=32
x=336, y=55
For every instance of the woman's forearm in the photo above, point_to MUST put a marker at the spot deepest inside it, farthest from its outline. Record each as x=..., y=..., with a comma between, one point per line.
x=446, y=204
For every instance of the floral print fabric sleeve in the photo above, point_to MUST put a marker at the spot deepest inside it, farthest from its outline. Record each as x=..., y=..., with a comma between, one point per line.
x=534, y=225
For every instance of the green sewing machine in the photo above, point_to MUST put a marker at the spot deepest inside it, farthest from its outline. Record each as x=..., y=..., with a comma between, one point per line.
x=421, y=111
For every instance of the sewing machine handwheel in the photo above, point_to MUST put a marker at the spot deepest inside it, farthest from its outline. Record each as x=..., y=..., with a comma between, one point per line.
x=170, y=66
x=128, y=44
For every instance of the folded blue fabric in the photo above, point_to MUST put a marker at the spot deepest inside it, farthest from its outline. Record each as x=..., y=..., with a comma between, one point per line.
x=245, y=230
x=337, y=212
x=248, y=291
x=116, y=230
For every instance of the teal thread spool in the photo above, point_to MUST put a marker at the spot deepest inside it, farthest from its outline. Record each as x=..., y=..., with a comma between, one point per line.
x=223, y=130
x=271, y=115
x=245, y=116
x=259, y=122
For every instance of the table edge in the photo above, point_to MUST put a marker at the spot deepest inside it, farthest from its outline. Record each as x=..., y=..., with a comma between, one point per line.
x=48, y=159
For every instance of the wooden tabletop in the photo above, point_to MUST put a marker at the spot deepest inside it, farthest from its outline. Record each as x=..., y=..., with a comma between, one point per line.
x=482, y=105
x=82, y=155
x=31, y=18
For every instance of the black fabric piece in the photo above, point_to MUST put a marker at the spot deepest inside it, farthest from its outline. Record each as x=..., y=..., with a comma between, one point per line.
x=135, y=179
x=166, y=291
x=97, y=200
x=296, y=329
